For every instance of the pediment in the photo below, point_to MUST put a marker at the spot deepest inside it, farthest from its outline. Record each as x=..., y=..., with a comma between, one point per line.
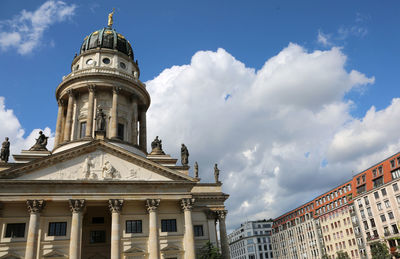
x=95, y=161
x=54, y=255
x=134, y=251
x=10, y=255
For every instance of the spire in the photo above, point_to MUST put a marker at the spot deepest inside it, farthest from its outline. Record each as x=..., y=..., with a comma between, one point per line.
x=110, y=18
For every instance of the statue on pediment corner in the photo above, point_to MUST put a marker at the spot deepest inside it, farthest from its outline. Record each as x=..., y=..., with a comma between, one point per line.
x=5, y=150
x=41, y=143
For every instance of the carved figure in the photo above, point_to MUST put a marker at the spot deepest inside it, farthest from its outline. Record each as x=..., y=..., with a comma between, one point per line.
x=100, y=120
x=41, y=143
x=109, y=172
x=5, y=150
x=184, y=155
x=110, y=18
x=136, y=75
x=156, y=147
x=196, y=170
x=86, y=167
x=216, y=173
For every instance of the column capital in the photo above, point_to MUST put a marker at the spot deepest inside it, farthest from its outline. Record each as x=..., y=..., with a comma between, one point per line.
x=70, y=92
x=116, y=89
x=211, y=214
x=152, y=204
x=77, y=205
x=60, y=102
x=187, y=203
x=115, y=205
x=221, y=214
x=35, y=206
x=91, y=88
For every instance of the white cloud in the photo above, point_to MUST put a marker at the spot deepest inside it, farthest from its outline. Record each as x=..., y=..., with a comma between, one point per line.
x=294, y=105
x=12, y=129
x=25, y=31
x=324, y=39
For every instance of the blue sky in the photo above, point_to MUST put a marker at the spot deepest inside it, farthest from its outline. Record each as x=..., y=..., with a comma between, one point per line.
x=171, y=36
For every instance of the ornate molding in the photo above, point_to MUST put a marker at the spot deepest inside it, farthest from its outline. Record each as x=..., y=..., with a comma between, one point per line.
x=115, y=205
x=77, y=205
x=116, y=89
x=91, y=88
x=35, y=206
x=221, y=214
x=70, y=92
x=152, y=204
x=187, y=204
x=60, y=102
x=211, y=214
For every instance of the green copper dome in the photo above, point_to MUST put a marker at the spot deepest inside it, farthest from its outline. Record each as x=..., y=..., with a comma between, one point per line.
x=107, y=38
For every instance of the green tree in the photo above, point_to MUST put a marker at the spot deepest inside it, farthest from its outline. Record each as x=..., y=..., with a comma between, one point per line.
x=342, y=255
x=209, y=251
x=379, y=250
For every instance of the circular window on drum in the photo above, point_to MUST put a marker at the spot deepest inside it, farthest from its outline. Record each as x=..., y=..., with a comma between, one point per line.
x=106, y=61
x=122, y=65
x=89, y=61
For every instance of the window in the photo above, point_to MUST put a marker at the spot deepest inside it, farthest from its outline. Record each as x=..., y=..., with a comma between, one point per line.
x=106, y=61
x=168, y=225
x=380, y=169
x=374, y=174
x=395, y=229
x=376, y=195
x=369, y=212
x=372, y=223
x=363, y=178
x=395, y=187
x=122, y=65
x=383, y=191
x=362, y=213
x=57, y=229
x=82, y=129
x=361, y=189
x=15, y=230
x=390, y=214
x=383, y=218
x=392, y=164
x=121, y=131
x=379, y=206
x=198, y=231
x=398, y=199
x=98, y=220
x=366, y=200
x=387, y=204
x=398, y=160
x=97, y=236
x=396, y=174
x=133, y=226
x=378, y=181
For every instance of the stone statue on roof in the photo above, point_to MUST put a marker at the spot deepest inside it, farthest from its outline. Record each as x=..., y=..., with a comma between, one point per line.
x=41, y=143
x=184, y=155
x=110, y=18
x=5, y=150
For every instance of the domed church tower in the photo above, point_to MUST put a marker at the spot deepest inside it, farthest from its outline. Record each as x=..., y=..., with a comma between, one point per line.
x=103, y=88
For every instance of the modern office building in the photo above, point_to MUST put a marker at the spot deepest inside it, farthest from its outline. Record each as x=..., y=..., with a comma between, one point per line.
x=252, y=240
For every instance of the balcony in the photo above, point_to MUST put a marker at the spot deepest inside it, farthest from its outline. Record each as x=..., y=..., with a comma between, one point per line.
x=373, y=238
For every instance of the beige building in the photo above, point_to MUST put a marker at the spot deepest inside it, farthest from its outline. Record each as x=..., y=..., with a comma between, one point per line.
x=98, y=193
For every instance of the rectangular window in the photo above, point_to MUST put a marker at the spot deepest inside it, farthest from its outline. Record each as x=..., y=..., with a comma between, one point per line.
x=380, y=169
x=378, y=181
x=372, y=223
x=387, y=204
x=392, y=164
x=379, y=206
x=57, y=229
x=121, y=131
x=363, y=178
x=390, y=214
x=168, y=225
x=198, y=230
x=361, y=189
x=82, y=130
x=133, y=226
x=396, y=174
x=395, y=229
x=398, y=199
x=97, y=236
x=395, y=187
x=366, y=200
x=398, y=160
x=15, y=230
x=376, y=195
x=374, y=173
x=383, y=218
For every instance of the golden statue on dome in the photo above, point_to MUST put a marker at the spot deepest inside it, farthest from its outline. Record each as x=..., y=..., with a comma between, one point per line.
x=110, y=18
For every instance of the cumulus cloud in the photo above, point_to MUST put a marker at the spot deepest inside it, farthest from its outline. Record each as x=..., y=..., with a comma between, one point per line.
x=281, y=134
x=25, y=30
x=12, y=129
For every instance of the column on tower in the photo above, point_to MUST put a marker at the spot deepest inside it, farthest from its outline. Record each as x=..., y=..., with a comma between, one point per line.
x=188, y=239
x=135, y=116
x=114, y=113
x=212, y=231
x=60, y=117
x=34, y=208
x=142, y=133
x=89, y=121
x=77, y=208
x=115, y=208
x=222, y=234
x=153, y=242
x=68, y=122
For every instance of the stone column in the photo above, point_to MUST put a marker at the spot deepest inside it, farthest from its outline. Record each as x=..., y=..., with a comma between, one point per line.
x=142, y=137
x=77, y=207
x=34, y=208
x=68, y=122
x=115, y=208
x=114, y=113
x=89, y=121
x=60, y=116
x=134, y=121
x=222, y=234
x=188, y=240
x=153, y=243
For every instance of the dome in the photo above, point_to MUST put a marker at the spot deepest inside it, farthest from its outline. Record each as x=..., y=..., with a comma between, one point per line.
x=107, y=38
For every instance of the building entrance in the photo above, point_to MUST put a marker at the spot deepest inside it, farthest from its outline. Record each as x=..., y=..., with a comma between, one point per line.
x=96, y=233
